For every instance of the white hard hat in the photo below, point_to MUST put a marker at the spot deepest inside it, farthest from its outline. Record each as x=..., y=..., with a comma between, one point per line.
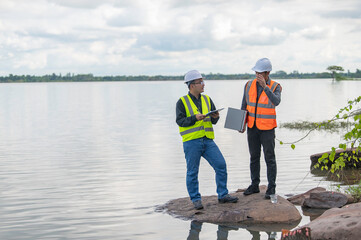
x=192, y=75
x=263, y=65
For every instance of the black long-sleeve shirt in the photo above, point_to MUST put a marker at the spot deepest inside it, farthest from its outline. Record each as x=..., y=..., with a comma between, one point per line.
x=181, y=115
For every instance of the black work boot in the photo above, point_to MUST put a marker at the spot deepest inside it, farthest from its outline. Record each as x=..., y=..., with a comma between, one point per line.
x=251, y=189
x=228, y=199
x=198, y=205
x=269, y=192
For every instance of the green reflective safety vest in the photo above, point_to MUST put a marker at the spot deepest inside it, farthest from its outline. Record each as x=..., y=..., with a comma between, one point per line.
x=200, y=128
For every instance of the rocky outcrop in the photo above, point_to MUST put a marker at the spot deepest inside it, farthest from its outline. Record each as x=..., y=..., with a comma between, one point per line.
x=254, y=209
x=320, y=198
x=338, y=223
x=325, y=200
x=300, y=198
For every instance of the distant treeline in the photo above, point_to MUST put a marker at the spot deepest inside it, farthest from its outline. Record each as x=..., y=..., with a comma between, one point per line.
x=211, y=76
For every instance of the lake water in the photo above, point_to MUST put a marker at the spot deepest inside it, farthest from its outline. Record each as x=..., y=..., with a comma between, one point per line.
x=94, y=160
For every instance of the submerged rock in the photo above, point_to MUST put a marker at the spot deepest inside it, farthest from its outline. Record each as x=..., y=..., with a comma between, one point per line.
x=313, y=213
x=253, y=209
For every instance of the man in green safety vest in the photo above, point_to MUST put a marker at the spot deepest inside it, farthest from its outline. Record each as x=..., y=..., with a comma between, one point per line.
x=197, y=134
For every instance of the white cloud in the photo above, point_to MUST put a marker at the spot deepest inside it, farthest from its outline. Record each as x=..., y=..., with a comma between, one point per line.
x=264, y=36
x=89, y=4
x=31, y=61
x=127, y=18
x=108, y=37
x=222, y=27
x=314, y=32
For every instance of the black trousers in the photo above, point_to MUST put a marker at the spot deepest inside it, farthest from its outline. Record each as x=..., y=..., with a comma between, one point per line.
x=266, y=139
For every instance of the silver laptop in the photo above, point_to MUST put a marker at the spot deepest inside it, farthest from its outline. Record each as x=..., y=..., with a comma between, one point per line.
x=236, y=119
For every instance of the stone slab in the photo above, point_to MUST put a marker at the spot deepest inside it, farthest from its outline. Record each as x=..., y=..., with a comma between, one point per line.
x=254, y=209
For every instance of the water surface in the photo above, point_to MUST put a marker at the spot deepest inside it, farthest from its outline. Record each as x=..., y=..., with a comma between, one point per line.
x=93, y=160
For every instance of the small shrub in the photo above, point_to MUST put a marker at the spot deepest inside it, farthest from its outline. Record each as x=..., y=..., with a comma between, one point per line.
x=354, y=191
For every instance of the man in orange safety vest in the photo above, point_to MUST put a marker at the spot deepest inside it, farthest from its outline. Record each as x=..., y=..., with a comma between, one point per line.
x=261, y=96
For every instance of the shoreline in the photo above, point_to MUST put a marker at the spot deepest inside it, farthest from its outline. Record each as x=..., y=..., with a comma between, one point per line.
x=163, y=80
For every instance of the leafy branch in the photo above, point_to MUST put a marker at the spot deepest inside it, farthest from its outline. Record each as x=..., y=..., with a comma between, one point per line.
x=353, y=137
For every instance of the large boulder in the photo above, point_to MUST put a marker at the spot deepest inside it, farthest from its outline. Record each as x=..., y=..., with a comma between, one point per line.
x=300, y=198
x=338, y=223
x=325, y=200
x=254, y=209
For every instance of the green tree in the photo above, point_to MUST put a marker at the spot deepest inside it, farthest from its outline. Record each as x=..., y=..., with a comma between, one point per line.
x=333, y=69
x=281, y=74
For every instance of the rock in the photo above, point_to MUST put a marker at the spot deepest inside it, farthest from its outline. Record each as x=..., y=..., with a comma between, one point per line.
x=254, y=209
x=300, y=198
x=325, y=200
x=350, y=199
x=338, y=223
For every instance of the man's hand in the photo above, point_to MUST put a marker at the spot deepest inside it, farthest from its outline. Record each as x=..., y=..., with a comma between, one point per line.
x=261, y=80
x=215, y=115
x=200, y=117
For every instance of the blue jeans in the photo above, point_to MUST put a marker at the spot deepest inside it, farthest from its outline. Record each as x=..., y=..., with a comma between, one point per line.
x=207, y=148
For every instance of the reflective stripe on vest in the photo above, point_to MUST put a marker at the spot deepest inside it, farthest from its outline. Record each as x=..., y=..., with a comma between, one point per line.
x=266, y=113
x=200, y=128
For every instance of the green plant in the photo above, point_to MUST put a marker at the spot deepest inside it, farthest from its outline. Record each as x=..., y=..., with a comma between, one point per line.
x=331, y=161
x=352, y=139
x=354, y=191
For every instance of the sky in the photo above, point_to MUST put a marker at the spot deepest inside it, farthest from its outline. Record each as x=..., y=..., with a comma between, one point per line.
x=171, y=37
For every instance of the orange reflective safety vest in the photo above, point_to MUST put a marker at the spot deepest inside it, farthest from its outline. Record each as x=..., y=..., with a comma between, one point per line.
x=262, y=112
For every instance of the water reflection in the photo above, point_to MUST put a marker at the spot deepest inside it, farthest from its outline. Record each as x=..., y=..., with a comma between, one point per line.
x=222, y=232
x=196, y=227
x=313, y=213
x=257, y=236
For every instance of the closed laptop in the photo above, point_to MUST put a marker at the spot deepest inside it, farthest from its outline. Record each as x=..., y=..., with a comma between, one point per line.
x=236, y=119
